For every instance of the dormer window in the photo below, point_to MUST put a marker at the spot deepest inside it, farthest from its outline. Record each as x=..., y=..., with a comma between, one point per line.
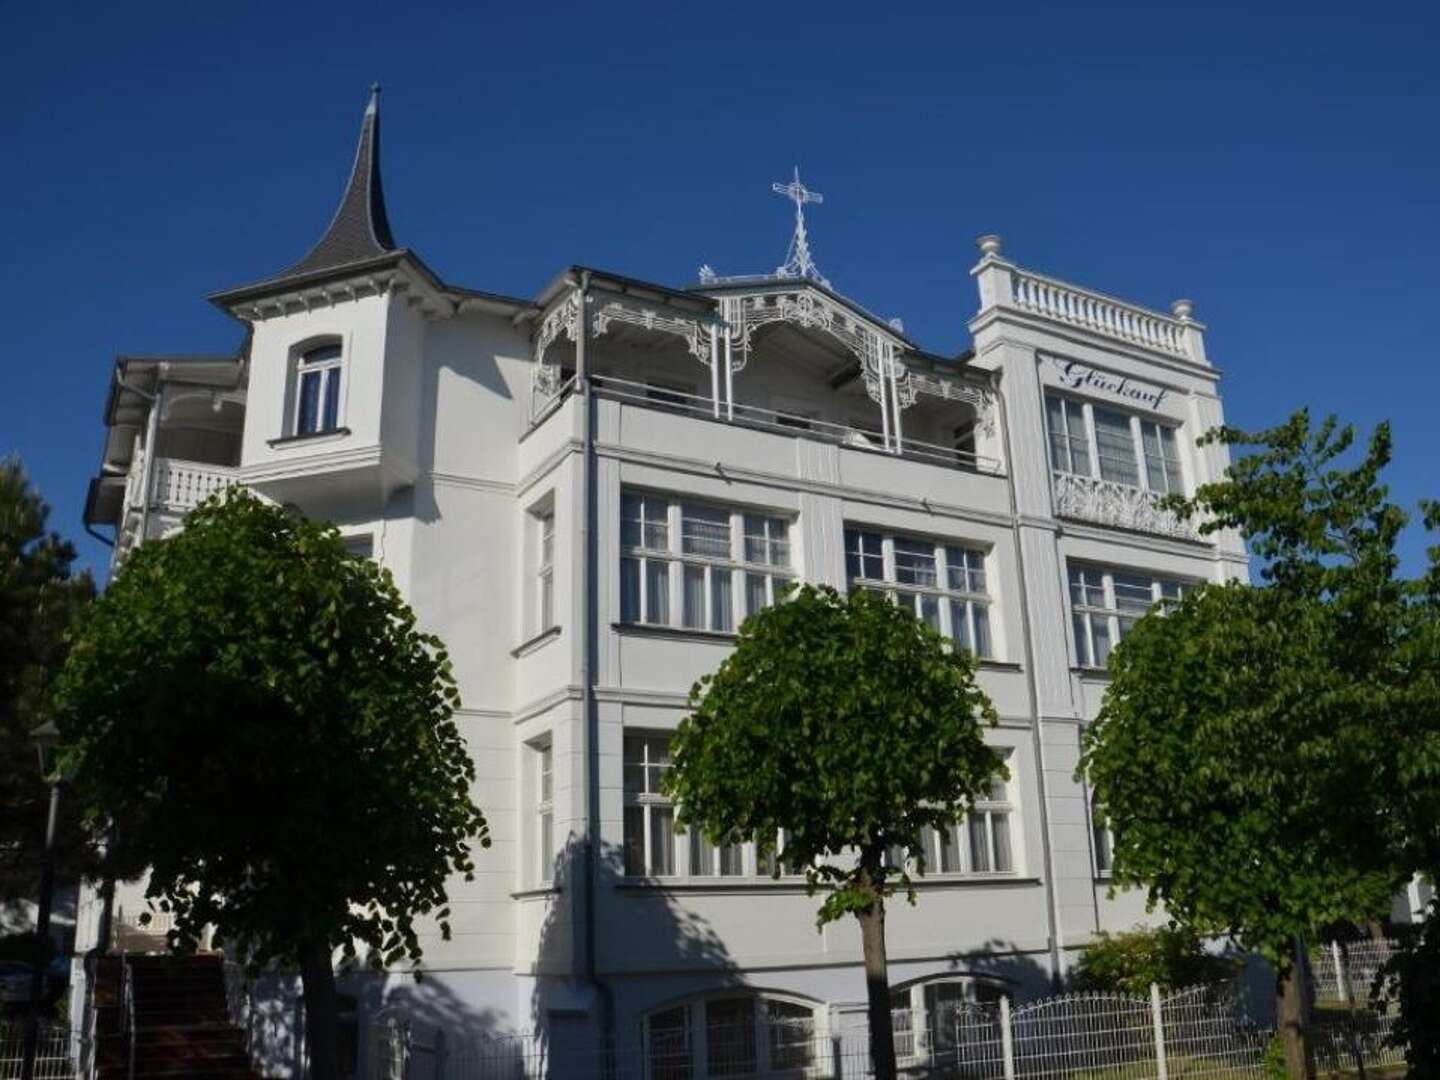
x=317, y=401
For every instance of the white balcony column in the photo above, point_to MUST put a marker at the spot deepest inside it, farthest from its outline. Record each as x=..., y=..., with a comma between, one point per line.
x=992, y=274
x=729, y=377
x=893, y=365
x=715, y=369
x=883, y=382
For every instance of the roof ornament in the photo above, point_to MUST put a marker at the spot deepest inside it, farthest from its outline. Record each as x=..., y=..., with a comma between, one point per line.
x=798, y=261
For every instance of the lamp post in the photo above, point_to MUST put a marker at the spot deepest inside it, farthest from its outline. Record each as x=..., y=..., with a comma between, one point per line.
x=46, y=737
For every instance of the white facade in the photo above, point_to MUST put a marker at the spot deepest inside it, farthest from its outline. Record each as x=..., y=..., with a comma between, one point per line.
x=586, y=545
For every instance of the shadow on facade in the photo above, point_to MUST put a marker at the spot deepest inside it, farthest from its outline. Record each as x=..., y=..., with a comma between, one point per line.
x=1023, y=974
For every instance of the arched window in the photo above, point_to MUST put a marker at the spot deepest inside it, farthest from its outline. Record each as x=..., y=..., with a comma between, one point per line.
x=933, y=1018
x=318, y=373
x=732, y=1035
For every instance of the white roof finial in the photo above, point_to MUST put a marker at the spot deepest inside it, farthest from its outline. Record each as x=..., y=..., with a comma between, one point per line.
x=798, y=261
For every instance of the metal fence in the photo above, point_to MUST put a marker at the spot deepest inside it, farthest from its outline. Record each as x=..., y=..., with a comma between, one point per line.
x=1201, y=1033
x=1348, y=1028
x=58, y=1054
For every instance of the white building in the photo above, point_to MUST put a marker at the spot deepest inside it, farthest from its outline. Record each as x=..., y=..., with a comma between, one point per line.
x=584, y=492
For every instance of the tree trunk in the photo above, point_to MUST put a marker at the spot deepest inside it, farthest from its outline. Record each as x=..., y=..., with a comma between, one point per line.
x=1290, y=1019
x=877, y=989
x=322, y=1017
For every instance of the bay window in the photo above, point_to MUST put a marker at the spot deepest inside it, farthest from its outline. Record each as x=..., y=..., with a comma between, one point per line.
x=1105, y=603
x=943, y=584
x=696, y=565
x=1092, y=440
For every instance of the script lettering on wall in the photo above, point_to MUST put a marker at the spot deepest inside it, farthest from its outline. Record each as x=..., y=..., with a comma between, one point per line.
x=1077, y=376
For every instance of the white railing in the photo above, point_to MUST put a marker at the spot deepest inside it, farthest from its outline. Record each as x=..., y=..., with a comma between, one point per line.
x=1107, y=502
x=666, y=400
x=1114, y=318
x=184, y=485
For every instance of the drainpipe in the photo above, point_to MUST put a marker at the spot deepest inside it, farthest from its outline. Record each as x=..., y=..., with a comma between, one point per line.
x=589, y=577
x=1052, y=903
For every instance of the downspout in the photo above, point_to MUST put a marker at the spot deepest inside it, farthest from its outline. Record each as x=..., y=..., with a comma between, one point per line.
x=589, y=577
x=1052, y=905
x=99, y=536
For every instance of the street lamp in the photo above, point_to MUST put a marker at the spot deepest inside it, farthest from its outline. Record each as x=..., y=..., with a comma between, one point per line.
x=46, y=738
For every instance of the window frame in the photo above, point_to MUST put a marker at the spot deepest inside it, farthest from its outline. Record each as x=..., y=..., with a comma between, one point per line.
x=960, y=835
x=544, y=757
x=1167, y=436
x=918, y=1043
x=544, y=581
x=760, y=1042
x=978, y=606
x=725, y=581
x=330, y=370
x=1117, y=618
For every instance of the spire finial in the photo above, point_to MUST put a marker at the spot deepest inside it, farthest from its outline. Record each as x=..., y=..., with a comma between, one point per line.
x=374, y=98
x=798, y=261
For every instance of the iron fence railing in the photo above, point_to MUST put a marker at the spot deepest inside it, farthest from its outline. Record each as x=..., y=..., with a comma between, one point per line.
x=59, y=1054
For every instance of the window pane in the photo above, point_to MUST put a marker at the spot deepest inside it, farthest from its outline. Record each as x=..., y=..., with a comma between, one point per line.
x=1132, y=592
x=731, y=860
x=979, y=845
x=629, y=590
x=547, y=846
x=1104, y=857
x=1087, y=587
x=722, y=605
x=657, y=592
x=950, y=850
x=693, y=614
x=1123, y=626
x=332, y=399
x=1082, y=642
x=1171, y=590
x=634, y=840
x=669, y=1048
x=755, y=597
x=983, y=645
x=702, y=855
x=630, y=520
x=930, y=610
x=965, y=569
x=914, y=562
x=308, y=421
x=662, y=840
x=705, y=530
x=791, y=1030
x=1100, y=631
x=730, y=1036
x=960, y=624
x=1000, y=826
x=1116, y=447
x=864, y=556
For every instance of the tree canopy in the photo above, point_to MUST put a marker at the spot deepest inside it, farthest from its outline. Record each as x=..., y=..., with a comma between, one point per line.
x=851, y=727
x=1267, y=754
x=40, y=594
x=256, y=711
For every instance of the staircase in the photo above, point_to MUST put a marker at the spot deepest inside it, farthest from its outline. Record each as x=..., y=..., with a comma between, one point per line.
x=175, y=1025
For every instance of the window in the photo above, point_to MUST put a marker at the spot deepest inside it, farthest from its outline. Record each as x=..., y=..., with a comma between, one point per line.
x=317, y=405
x=1122, y=443
x=361, y=545
x=935, y=1019
x=1104, y=840
x=649, y=815
x=544, y=528
x=1106, y=603
x=545, y=811
x=982, y=842
x=944, y=585
x=731, y=1035
x=697, y=565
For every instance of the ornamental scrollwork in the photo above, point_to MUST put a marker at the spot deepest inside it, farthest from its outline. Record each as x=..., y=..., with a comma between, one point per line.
x=694, y=332
x=1106, y=502
x=979, y=398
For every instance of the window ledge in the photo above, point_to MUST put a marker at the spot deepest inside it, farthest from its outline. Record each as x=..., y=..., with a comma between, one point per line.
x=309, y=437
x=1087, y=672
x=719, y=885
x=536, y=642
x=999, y=665
x=682, y=633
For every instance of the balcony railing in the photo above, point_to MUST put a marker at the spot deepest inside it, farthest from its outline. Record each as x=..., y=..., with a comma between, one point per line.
x=1106, y=502
x=184, y=485
x=750, y=416
x=1113, y=318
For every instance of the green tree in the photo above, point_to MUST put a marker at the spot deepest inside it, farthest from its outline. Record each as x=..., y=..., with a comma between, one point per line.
x=1248, y=752
x=274, y=739
x=40, y=594
x=1173, y=957
x=852, y=727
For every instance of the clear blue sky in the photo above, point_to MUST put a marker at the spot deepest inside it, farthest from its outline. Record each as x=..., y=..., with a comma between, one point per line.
x=1278, y=163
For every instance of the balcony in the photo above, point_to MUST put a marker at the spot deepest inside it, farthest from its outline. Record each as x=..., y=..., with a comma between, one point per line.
x=743, y=416
x=180, y=486
x=1120, y=506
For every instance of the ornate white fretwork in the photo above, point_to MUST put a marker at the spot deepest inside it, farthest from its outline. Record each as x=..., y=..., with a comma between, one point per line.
x=563, y=318
x=979, y=398
x=1106, y=502
x=798, y=261
x=695, y=332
